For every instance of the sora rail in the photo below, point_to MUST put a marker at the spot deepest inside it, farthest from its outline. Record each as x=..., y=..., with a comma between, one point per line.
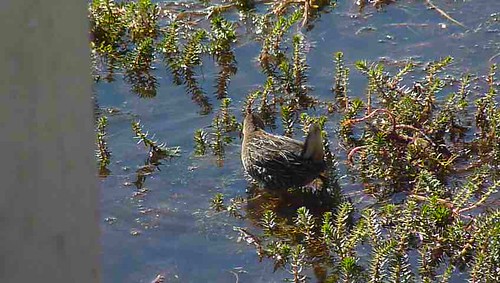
x=279, y=162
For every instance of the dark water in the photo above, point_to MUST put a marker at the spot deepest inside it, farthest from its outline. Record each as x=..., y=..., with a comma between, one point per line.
x=177, y=233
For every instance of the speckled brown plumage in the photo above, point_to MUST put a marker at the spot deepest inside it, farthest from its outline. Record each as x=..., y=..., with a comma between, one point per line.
x=279, y=162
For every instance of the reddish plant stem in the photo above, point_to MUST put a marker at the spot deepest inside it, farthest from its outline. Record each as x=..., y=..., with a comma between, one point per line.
x=354, y=151
x=394, y=128
x=373, y=113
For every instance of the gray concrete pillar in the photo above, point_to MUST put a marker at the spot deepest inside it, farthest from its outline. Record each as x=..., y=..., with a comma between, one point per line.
x=48, y=189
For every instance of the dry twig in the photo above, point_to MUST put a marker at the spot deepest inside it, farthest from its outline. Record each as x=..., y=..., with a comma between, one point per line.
x=444, y=14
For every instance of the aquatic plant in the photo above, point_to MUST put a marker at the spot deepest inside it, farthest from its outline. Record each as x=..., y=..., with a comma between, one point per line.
x=309, y=7
x=268, y=103
x=442, y=241
x=130, y=35
x=200, y=142
x=127, y=36
x=103, y=153
x=138, y=64
x=299, y=72
x=191, y=58
x=224, y=124
x=341, y=80
x=410, y=130
x=123, y=34
x=287, y=120
x=218, y=141
x=170, y=50
x=142, y=21
x=107, y=27
x=286, y=76
x=223, y=35
x=487, y=121
x=271, y=53
x=286, y=83
x=228, y=119
x=157, y=151
x=413, y=143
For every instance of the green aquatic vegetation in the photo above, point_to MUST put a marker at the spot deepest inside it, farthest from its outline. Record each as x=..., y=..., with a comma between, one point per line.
x=170, y=49
x=219, y=140
x=286, y=84
x=305, y=224
x=107, y=27
x=107, y=30
x=131, y=35
x=224, y=124
x=191, y=58
x=271, y=53
x=346, y=131
x=264, y=102
x=287, y=77
x=143, y=20
x=430, y=232
x=268, y=102
x=222, y=36
x=309, y=7
x=450, y=117
x=157, y=151
x=201, y=142
x=297, y=256
x=341, y=80
x=299, y=72
x=218, y=202
x=103, y=153
x=137, y=71
x=288, y=120
x=228, y=119
x=408, y=130
x=268, y=222
x=306, y=121
x=183, y=49
x=405, y=140
x=488, y=122
x=124, y=35
x=127, y=35
x=487, y=260
x=249, y=102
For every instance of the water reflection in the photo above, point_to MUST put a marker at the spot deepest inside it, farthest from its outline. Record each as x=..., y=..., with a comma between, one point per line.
x=285, y=203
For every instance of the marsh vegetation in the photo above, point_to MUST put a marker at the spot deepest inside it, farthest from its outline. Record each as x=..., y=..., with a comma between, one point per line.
x=412, y=144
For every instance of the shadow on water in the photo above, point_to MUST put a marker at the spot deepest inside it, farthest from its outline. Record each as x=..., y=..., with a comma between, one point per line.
x=156, y=215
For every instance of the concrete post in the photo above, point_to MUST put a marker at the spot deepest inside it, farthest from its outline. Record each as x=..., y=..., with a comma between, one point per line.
x=48, y=189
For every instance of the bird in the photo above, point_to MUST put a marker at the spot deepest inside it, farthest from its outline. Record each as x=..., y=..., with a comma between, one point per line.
x=279, y=162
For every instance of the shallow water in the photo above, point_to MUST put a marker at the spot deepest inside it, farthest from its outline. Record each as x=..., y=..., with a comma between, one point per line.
x=171, y=230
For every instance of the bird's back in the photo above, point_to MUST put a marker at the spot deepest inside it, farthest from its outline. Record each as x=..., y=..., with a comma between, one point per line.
x=277, y=161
